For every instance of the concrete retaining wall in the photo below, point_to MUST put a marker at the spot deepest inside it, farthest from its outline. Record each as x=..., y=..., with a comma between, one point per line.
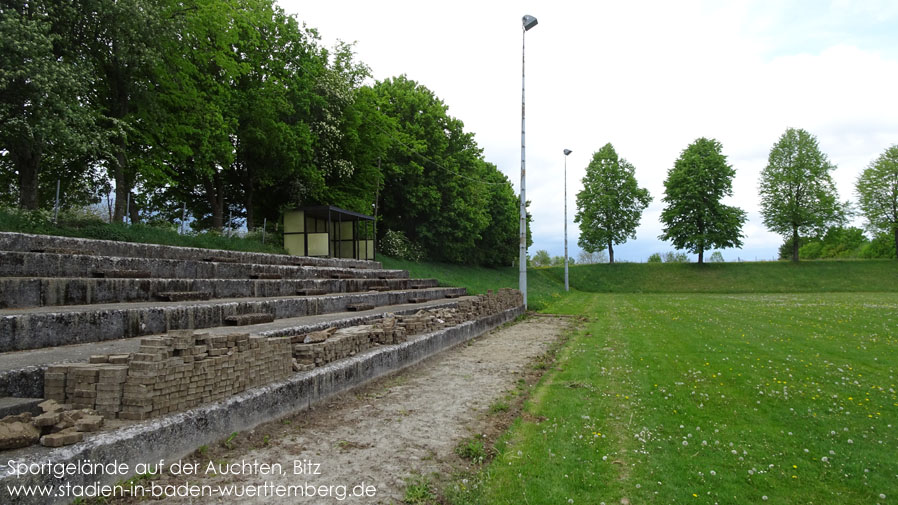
x=176, y=436
x=25, y=243
x=38, y=329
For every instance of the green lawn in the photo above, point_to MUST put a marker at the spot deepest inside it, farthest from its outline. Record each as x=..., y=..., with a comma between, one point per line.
x=708, y=398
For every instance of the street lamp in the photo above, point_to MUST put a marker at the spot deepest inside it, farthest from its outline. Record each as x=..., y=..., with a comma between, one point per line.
x=527, y=22
x=566, y=285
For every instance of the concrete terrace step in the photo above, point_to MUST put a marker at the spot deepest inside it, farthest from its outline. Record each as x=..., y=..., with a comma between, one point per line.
x=22, y=242
x=18, y=292
x=21, y=372
x=31, y=264
x=35, y=328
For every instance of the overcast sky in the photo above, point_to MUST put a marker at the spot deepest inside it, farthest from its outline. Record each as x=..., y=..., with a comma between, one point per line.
x=649, y=77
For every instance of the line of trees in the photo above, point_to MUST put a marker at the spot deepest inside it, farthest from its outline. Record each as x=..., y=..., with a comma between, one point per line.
x=798, y=201
x=232, y=108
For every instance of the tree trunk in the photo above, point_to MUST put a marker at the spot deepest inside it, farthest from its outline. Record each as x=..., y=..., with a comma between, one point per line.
x=248, y=203
x=28, y=165
x=701, y=255
x=895, y=229
x=122, y=188
x=134, y=210
x=215, y=197
x=610, y=252
x=795, y=244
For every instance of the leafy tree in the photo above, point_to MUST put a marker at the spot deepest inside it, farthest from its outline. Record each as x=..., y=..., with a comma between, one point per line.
x=716, y=257
x=435, y=190
x=798, y=196
x=694, y=218
x=611, y=203
x=44, y=85
x=122, y=41
x=587, y=258
x=541, y=258
x=882, y=246
x=877, y=191
x=654, y=258
x=675, y=257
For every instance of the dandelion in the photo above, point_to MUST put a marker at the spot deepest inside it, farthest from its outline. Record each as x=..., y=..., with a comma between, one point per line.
x=713, y=473
x=764, y=497
x=882, y=496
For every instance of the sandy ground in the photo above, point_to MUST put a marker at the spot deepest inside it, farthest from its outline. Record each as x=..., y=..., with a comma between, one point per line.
x=379, y=435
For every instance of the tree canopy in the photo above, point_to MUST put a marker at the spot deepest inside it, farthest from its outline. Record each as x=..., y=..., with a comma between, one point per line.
x=877, y=192
x=610, y=204
x=694, y=217
x=233, y=110
x=798, y=196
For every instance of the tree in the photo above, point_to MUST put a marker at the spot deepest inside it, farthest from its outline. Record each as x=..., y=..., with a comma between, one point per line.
x=716, y=257
x=541, y=258
x=43, y=90
x=588, y=258
x=798, y=196
x=435, y=189
x=694, y=218
x=877, y=192
x=611, y=203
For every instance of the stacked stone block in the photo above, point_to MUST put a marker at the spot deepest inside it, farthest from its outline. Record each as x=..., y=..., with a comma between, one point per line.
x=322, y=347
x=171, y=373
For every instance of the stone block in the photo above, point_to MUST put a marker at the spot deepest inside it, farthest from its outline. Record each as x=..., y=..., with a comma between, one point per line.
x=67, y=436
x=18, y=434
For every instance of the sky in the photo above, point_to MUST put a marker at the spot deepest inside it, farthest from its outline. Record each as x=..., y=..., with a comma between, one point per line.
x=648, y=76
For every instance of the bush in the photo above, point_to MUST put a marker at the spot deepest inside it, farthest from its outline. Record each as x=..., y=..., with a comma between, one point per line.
x=397, y=245
x=882, y=246
x=654, y=258
x=675, y=257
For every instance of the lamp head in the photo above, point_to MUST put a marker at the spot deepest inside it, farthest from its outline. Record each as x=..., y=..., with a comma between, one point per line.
x=528, y=21
x=567, y=151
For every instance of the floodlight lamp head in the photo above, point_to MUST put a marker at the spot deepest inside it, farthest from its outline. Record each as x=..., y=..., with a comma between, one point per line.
x=528, y=21
x=567, y=151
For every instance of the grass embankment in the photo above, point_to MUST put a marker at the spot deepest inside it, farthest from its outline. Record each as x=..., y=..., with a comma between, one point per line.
x=546, y=285
x=81, y=226
x=698, y=398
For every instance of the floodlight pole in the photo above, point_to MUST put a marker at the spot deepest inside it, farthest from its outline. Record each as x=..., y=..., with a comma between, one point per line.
x=527, y=22
x=566, y=285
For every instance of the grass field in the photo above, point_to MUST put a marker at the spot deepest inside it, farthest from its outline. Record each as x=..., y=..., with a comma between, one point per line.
x=704, y=398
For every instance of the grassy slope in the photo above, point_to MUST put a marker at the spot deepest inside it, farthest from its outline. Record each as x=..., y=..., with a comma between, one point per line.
x=41, y=224
x=545, y=285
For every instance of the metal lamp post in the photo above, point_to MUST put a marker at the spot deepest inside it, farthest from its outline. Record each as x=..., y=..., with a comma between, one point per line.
x=566, y=285
x=527, y=22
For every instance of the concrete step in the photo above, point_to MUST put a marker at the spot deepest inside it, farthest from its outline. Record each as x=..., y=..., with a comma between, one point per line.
x=22, y=372
x=40, y=327
x=10, y=406
x=31, y=264
x=20, y=292
x=23, y=242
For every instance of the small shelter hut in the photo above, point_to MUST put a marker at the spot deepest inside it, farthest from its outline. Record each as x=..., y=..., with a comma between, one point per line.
x=329, y=232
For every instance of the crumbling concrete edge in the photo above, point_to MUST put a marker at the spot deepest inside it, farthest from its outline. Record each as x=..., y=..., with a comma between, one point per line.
x=173, y=437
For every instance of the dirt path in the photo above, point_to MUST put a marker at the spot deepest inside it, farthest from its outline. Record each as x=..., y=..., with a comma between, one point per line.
x=379, y=435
